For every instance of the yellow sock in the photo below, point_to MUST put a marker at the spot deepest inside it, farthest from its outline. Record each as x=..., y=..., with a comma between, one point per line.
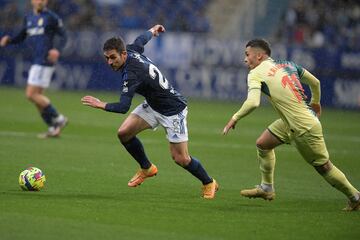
x=338, y=180
x=267, y=164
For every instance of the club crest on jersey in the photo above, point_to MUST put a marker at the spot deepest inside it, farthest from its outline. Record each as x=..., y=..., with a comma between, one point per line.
x=40, y=22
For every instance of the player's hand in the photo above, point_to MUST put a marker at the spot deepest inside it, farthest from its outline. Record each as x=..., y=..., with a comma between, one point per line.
x=53, y=55
x=4, y=41
x=229, y=125
x=157, y=29
x=93, y=102
x=317, y=108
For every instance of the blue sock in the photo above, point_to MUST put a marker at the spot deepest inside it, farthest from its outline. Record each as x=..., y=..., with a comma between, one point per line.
x=48, y=114
x=136, y=149
x=196, y=169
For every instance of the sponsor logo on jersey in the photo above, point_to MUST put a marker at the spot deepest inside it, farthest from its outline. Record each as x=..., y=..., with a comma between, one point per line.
x=40, y=22
x=35, y=31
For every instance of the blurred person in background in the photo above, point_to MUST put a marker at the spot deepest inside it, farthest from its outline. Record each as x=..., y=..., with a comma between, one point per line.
x=40, y=27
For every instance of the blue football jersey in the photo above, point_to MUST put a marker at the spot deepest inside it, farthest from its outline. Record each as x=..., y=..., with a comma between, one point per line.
x=140, y=75
x=40, y=30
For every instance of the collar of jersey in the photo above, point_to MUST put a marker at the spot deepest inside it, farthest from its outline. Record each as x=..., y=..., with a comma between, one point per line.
x=43, y=11
x=126, y=63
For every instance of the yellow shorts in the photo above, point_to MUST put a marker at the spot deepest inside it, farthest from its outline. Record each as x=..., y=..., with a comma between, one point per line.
x=310, y=144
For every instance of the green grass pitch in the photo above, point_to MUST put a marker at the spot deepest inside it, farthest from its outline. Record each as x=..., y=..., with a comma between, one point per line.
x=86, y=194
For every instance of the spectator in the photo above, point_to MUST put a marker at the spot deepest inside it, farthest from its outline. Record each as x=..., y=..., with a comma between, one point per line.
x=322, y=23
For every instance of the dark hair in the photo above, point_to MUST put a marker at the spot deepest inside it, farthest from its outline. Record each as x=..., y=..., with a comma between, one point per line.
x=260, y=43
x=116, y=43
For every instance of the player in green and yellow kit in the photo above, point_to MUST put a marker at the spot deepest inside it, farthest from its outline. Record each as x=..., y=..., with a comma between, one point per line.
x=298, y=123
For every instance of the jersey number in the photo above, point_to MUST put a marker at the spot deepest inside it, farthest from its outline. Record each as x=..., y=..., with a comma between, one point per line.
x=154, y=71
x=295, y=86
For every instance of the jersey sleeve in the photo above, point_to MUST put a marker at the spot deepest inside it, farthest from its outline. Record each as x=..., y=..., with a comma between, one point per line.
x=314, y=85
x=60, y=31
x=253, y=98
x=20, y=37
x=140, y=41
x=252, y=102
x=253, y=81
x=300, y=70
x=130, y=84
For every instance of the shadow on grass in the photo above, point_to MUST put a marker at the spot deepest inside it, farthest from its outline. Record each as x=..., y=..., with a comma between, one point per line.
x=63, y=196
x=180, y=202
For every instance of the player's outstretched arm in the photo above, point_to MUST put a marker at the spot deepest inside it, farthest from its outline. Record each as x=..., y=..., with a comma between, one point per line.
x=157, y=29
x=141, y=40
x=252, y=102
x=117, y=107
x=93, y=102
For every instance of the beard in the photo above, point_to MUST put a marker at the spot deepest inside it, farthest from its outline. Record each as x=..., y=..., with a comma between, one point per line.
x=115, y=68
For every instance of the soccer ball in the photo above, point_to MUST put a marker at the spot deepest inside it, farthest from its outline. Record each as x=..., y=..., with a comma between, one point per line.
x=32, y=179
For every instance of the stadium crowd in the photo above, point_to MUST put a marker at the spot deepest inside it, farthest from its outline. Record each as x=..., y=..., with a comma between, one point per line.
x=177, y=15
x=317, y=24
x=313, y=23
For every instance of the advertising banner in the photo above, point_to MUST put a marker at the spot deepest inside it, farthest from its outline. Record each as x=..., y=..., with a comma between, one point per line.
x=197, y=65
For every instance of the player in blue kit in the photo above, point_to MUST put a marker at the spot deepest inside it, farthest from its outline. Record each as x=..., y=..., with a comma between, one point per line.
x=163, y=106
x=39, y=28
